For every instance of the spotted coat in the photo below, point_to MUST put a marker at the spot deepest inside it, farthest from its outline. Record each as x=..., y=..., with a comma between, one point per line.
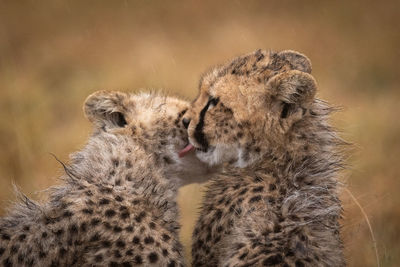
x=116, y=203
x=276, y=202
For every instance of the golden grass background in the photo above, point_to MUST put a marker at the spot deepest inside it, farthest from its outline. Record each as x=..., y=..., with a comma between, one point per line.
x=55, y=53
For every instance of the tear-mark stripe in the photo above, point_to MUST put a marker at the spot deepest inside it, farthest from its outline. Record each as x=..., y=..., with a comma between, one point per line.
x=198, y=133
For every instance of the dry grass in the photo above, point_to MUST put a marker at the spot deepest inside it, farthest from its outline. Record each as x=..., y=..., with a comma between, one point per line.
x=54, y=53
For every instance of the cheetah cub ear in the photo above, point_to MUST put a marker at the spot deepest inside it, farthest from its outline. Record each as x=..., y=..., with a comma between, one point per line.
x=106, y=109
x=293, y=93
x=297, y=60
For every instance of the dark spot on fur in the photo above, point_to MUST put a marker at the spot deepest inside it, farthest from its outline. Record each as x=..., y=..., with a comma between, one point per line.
x=255, y=199
x=124, y=215
x=273, y=260
x=73, y=229
x=67, y=214
x=244, y=190
x=168, y=160
x=110, y=213
x=98, y=258
x=21, y=237
x=241, y=257
x=138, y=259
x=272, y=187
x=104, y=201
x=95, y=237
x=218, y=214
x=153, y=257
x=277, y=228
x=258, y=189
x=129, y=252
x=20, y=258
x=171, y=264
x=128, y=164
x=87, y=211
x=166, y=237
x=31, y=261
x=271, y=200
x=7, y=262
x=119, y=198
x=83, y=227
x=120, y=244
x=106, y=190
x=106, y=244
x=282, y=191
x=42, y=254
x=59, y=232
x=165, y=252
x=115, y=162
x=117, y=254
x=148, y=240
x=136, y=240
x=295, y=219
x=14, y=249
x=139, y=217
x=107, y=225
x=117, y=229
x=95, y=221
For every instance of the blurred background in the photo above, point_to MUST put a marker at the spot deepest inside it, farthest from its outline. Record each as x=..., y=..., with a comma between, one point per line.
x=55, y=53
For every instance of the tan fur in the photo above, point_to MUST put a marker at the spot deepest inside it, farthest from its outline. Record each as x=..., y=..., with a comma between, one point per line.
x=276, y=202
x=116, y=205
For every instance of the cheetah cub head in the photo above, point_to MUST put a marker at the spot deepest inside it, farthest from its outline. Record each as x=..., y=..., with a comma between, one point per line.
x=143, y=128
x=249, y=107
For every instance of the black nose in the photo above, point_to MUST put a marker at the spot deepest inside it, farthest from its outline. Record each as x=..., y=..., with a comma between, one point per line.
x=185, y=122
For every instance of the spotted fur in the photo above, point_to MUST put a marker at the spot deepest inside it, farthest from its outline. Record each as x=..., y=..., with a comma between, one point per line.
x=276, y=202
x=116, y=204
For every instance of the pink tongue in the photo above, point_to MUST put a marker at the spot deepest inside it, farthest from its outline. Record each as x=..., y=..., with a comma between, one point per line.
x=186, y=150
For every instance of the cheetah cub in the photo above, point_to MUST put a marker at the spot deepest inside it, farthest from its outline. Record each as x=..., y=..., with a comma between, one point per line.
x=116, y=205
x=276, y=202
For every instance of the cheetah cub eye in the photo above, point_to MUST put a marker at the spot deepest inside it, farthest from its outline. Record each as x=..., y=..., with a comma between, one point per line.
x=212, y=102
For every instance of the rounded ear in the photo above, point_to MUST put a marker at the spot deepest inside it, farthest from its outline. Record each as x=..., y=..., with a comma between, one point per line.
x=296, y=60
x=292, y=91
x=106, y=108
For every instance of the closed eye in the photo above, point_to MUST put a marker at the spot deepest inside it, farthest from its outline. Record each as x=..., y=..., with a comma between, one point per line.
x=212, y=102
